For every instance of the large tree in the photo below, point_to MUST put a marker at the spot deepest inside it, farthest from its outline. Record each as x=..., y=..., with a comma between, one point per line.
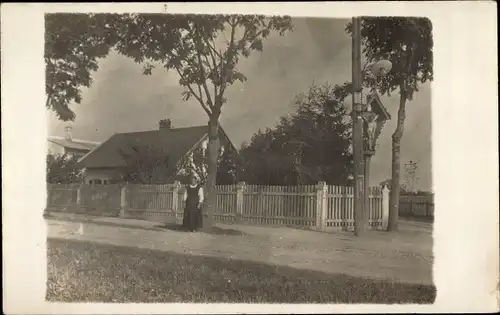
x=407, y=43
x=74, y=42
x=310, y=145
x=204, y=51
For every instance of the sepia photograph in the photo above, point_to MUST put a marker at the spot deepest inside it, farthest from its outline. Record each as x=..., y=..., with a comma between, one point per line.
x=192, y=158
x=239, y=159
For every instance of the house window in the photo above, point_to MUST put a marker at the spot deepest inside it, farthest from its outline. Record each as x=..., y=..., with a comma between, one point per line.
x=99, y=181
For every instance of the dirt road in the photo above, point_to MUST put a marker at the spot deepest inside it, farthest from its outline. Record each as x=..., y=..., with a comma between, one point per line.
x=403, y=257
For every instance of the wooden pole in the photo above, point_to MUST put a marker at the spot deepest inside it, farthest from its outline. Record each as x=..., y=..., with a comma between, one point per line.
x=366, y=212
x=359, y=226
x=123, y=201
x=385, y=207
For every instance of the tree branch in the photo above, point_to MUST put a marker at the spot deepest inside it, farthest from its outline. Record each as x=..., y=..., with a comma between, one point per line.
x=212, y=49
x=198, y=98
x=212, y=67
x=203, y=78
x=408, y=69
x=230, y=49
x=254, y=37
x=201, y=92
x=213, y=53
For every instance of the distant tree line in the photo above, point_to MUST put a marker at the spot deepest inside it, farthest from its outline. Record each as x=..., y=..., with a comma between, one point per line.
x=409, y=186
x=310, y=145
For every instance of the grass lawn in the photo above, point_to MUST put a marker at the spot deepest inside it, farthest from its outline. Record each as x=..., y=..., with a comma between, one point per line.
x=81, y=271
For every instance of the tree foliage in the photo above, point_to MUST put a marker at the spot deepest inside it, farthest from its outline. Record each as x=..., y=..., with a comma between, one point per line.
x=146, y=165
x=265, y=160
x=407, y=42
x=194, y=164
x=73, y=44
x=308, y=146
x=63, y=169
x=228, y=168
x=204, y=50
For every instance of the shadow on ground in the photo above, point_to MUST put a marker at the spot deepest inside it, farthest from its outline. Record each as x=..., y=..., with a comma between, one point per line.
x=215, y=230
x=81, y=271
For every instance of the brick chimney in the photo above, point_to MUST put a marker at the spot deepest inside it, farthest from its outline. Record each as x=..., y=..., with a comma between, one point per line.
x=165, y=124
x=68, y=130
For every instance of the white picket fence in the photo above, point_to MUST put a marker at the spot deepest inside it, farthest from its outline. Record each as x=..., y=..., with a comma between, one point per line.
x=320, y=206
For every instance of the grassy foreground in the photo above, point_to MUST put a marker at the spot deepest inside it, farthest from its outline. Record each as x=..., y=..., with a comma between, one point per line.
x=87, y=272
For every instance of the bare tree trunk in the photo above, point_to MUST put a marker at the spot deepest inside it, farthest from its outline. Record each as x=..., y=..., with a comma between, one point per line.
x=396, y=165
x=213, y=152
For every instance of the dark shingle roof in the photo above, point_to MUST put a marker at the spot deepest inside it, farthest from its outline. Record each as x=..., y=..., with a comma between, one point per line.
x=174, y=142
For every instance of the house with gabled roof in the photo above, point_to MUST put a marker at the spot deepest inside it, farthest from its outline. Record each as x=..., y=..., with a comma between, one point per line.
x=70, y=146
x=107, y=163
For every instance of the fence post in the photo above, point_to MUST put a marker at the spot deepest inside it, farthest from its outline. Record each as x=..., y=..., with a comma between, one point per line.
x=123, y=200
x=321, y=205
x=79, y=196
x=79, y=202
x=385, y=207
x=240, y=188
x=175, y=201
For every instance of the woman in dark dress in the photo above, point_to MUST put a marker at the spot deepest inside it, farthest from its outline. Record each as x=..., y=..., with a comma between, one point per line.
x=193, y=197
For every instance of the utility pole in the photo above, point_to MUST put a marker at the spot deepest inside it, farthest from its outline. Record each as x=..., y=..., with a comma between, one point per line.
x=358, y=152
x=366, y=197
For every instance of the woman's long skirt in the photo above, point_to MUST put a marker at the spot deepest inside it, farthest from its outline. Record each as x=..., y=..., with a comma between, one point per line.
x=191, y=220
x=199, y=218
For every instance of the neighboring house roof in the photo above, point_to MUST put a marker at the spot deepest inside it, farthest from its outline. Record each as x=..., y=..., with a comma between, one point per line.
x=75, y=144
x=176, y=142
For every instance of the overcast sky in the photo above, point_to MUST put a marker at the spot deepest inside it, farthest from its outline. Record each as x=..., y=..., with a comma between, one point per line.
x=318, y=50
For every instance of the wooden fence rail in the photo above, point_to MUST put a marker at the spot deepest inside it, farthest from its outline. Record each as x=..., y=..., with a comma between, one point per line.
x=319, y=207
